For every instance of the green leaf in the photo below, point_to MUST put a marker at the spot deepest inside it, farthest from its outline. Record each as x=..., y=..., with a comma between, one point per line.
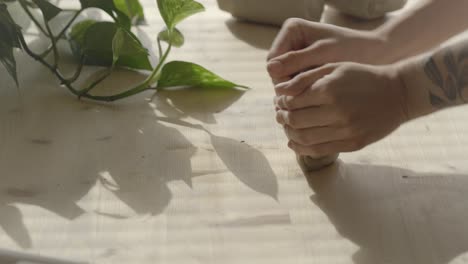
x=48, y=10
x=10, y=34
x=174, y=11
x=109, y=7
x=78, y=31
x=10, y=31
x=106, y=5
x=76, y=38
x=173, y=37
x=117, y=45
x=8, y=60
x=95, y=40
x=132, y=9
x=180, y=73
x=128, y=51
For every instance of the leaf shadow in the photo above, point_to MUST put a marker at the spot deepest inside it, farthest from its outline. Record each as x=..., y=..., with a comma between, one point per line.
x=393, y=214
x=248, y=164
x=257, y=35
x=199, y=103
x=75, y=150
x=13, y=225
x=65, y=150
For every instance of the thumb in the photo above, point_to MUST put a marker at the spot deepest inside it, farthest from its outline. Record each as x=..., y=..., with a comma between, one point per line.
x=303, y=81
x=294, y=62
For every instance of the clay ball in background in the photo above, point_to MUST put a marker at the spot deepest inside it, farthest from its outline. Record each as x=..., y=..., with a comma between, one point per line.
x=366, y=9
x=273, y=12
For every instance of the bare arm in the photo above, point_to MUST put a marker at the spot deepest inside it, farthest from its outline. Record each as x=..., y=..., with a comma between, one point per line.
x=437, y=80
x=342, y=107
x=423, y=27
x=302, y=45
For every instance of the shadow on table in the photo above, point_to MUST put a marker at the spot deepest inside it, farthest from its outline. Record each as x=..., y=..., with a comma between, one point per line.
x=395, y=215
x=257, y=35
x=57, y=152
x=248, y=164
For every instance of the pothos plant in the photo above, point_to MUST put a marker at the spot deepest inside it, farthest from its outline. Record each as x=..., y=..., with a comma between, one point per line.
x=110, y=44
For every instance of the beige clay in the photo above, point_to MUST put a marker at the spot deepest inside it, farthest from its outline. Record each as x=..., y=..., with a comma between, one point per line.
x=366, y=9
x=273, y=12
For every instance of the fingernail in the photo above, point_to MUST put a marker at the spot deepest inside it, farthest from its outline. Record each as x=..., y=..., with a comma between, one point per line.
x=275, y=101
x=275, y=67
x=284, y=117
x=280, y=117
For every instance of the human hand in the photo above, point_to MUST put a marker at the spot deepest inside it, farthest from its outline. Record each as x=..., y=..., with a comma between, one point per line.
x=340, y=107
x=302, y=45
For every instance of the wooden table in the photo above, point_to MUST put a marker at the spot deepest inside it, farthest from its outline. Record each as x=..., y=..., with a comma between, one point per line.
x=206, y=177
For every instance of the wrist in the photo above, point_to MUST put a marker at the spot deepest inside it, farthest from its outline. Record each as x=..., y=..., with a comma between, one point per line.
x=399, y=88
x=414, y=88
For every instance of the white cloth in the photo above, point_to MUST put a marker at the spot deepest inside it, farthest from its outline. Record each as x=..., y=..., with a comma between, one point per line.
x=273, y=11
x=366, y=9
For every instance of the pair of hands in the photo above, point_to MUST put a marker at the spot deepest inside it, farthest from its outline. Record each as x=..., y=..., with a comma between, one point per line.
x=326, y=101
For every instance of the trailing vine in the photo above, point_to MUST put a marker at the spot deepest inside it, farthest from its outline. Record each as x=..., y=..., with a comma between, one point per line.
x=110, y=44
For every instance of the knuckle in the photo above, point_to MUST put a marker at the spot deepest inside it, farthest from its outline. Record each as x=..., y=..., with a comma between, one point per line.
x=290, y=56
x=300, y=79
x=333, y=65
x=322, y=46
x=292, y=23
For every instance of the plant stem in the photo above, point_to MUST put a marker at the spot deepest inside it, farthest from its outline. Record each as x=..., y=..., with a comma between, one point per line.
x=160, y=48
x=54, y=44
x=60, y=35
x=75, y=16
x=50, y=67
x=146, y=85
x=95, y=83
x=67, y=83
x=160, y=64
x=70, y=10
x=33, y=18
x=78, y=71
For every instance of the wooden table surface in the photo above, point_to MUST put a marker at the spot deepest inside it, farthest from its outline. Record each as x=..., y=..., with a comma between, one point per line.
x=206, y=177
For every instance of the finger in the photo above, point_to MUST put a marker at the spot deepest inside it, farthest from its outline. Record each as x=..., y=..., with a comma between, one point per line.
x=301, y=82
x=315, y=135
x=306, y=118
x=281, y=80
x=325, y=149
x=296, y=61
x=316, y=95
x=288, y=38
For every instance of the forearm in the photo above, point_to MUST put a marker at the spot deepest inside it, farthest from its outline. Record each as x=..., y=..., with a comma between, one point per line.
x=423, y=27
x=435, y=81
